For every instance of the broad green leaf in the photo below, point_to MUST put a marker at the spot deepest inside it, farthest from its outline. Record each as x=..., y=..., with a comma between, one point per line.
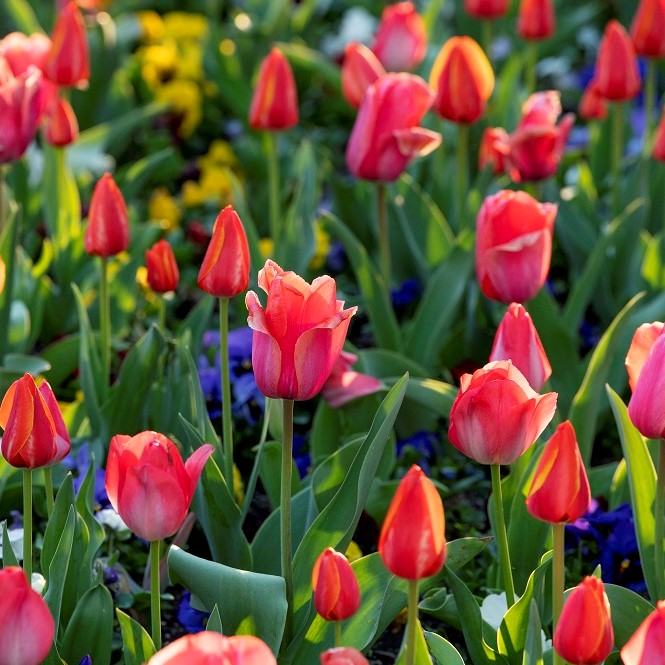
x=140, y=172
x=215, y=621
x=64, y=500
x=422, y=656
x=137, y=646
x=8, y=555
x=629, y=610
x=85, y=508
x=270, y=470
x=443, y=651
x=196, y=323
x=326, y=433
x=533, y=644
x=313, y=62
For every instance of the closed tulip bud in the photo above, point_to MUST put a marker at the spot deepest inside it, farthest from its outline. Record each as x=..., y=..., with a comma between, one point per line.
x=488, y=9
x=35, y=432
x=336, y=590
x=68, y=62
x=617, y=75
x=224, y=272
x=646, y=408
x=107, y=233
x=345, y=384
x=513, y=245
x=412, y=543
x=20, y=51
x=298, y=336
x=462, y=79
x=163, y=275
x=359, y=70
x=560, y=490
x=386, y=137
x=494, y=150
x=27, y=628
x=641, y=344
x=343, y=656
x=647, y=644
x=275, y=100
x=536, y=19
x=62, y=128
x=401, y=38
x=593, y=106
x=149, y=486
x=659, y=142
x=648, y=29
x=517, y=340
x=584, y=634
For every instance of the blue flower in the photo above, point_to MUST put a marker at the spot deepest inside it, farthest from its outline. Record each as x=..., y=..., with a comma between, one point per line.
x=78, y=463
x=421, y=446
x=301, y=454
x=406, y=292
x=191, y=619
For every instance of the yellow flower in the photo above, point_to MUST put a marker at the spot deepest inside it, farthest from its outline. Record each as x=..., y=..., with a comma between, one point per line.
x=222, y=153
x=152, y=26
x=190, y=63
x=215, y=184
x=158, y=62
x=322, y=247
x=185, y=100
x=183, y=25
x=142, y=281
x=192, y=194
x=353, y=552
x=266, y=247
x=164, y=209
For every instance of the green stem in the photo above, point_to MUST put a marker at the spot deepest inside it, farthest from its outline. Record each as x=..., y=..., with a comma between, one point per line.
x=431, y=16
x=384, y=237
x=27, y=523
x=285, y=510
x=272, y=155
x=502, y=536
x=487, y=36
x=462, y=173
x=155, y=600
x=558, y=580
x=48, y=489
x=531, y=63
x=9, y=266
x=659, y=521
x=649, y=104
x=105, y=321
x=161, y=310
x=338, y=633
x=254, y=475
x=617, y=152
x=227, y=416
x=412, y=623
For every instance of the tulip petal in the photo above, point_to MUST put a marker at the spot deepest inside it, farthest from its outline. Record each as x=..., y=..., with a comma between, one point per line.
x=647, y=404
x=641, y=344
x=112, y=482
x=417, y=142
x=194, y=465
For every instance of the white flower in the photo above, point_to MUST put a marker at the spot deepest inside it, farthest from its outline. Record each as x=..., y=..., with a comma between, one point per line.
x=16, y=541
x=108, y=517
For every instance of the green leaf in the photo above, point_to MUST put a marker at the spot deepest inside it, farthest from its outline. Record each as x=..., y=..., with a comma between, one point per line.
x=421, y=656
x=443, y=651
x=629, y=610
x=19, y=15
x=215, y=621
x=8, y=555
x=196, y=323
x=64, y=500
x=270, y=470
x=313, y=62
x=139, y=173
x=533, y=644
x=137, y=646
x=84, y=506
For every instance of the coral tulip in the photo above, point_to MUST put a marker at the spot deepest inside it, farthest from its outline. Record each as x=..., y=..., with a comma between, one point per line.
x=584, y=634
x=343, y=656
x=659, y=142
x=336, y=590
x=27, y=628
x=462, y=79
x=412, y=543
x=536, y=19
x=593, y=106
x=298, y=336
x=163, y=275
x=208, y=648
x=560, y=490
x=640, y=345
x=149, y=486
x=648, y=29
x=497, y=415
x=386, y=137
x=513, y=245
x=494, y=150
x=489, y=9
x=224, y=272
x=35, y=432
x=68, y=62
x=401, y=38
x=647, y=644
x=359, y=70
x=517, y=339
x=21, y=51
x=647, y=404
x=107, y=233
x=345, y=384
x=617, y=75
x=61, y=125
x=275, y=100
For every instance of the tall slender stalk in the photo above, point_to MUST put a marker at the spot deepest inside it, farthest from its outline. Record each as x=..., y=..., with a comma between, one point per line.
x=272, y=154
x=227, y=416
x=531, y=55
x=9, y=267
x=48, y=489
x=384, y=234
x=27, y=524
x=285, y=510
x=253, y=476
x=155, y=600
x=105, y=320
x=338, y=633
x=502, y=536
x=462, y=173
x=412, y=622
x=487, y=36
x=558, y=580
x=617, y=152
x=649, y=104
x=659, y=521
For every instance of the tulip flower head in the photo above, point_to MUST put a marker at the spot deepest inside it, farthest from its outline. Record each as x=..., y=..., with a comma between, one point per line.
x=107, y=233
x=536, y=19
x=68, y=61
x=659, y=142
x=149, y=486
x=62, y=128
x=401, y=38
x=494, y=150
x=497, y=415
x=20, y=51
x=35, y=432
x=345, y=384
x=163, y=275
x=648, y=29
x=617, y=75
x=584, y=634
x=647, y=644
x=336, y=590
x=298, y=336
x=593, y=106
x=412, y=543
x=487, y=9
x=640, y=345
x=27, y=628
x=343, y=656
x=360, y=69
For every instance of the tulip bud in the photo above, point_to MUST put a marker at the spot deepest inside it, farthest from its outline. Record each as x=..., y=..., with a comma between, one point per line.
x=584, y=634
x=645, y=406
x=61, y=125
x=462, y=79
x=359, y=70
x=488, y=9
x=494, y=150
x=343, y=656
x=107, y=233
x=593, y=106
x=163, y=275
x=617, y=75
x=648, y=29
x=646, y=646
x=275, y=100
x=401, y=38
x=640, y=345
x=336, y=590
x=659, y=142
x=536, y=19
x=68, y=60
x=412, y=543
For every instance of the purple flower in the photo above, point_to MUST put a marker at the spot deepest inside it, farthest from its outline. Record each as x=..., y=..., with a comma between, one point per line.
x=78, y=462
x=191, y=619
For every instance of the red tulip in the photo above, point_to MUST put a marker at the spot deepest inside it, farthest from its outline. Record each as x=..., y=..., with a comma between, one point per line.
x=641, y=344
x=617, y=75
x=659, y=143
x=62, y=128
x=517, y=340
x=647, y=404
x=412, y=543
x=648, y=29
x=108, y=224
x=513, y=245
x=343, y=656
x=149, y=486
x=27, y=628
x=163, y=275
x=21, y=51
x=593, y=106
x=462, y=79
x=386, y=137
x=536, y=19
x=401, y=38
x=359, y=70
x=560, y=491
x=208, y=648
x=345, y=384
x=487, y=8
x=647, y=644
x=298, y=336
x=68, y=62
x=494, y=150
x=336, y=590
x=497, y=415
x=275, y=101
x=224, y=272
x=35, y=433
x=584, y=634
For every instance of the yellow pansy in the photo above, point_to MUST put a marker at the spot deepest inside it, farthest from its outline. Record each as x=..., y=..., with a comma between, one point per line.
x=185, y=99
x=163, y=208
x=183, y=25
x=152, y=26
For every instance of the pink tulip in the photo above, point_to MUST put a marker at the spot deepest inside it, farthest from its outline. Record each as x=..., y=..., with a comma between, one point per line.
x=647, y=404
x=401, y=38
x=359, y=70
x=641, y=344
x=494, y=150
x=21, y=51
x=647, y=644
x=343, y=656
x=345, y=384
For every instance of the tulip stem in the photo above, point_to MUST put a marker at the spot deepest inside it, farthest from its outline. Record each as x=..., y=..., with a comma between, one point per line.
x=531, y=56
x=462, y=173
x=384, y=237
x=617, y=152
x=272, y=154
x=659, y=521
x=502, y=536
x=155, y=600
x=285, y=510
x=161, y=312
x=227, y=416
x=27, y=524
x=5, y=310
x=558, y=580
x=412, y=622
x=649, y=104
x=487, y=37
x=105, y=321
x=338, y=633
x=48, y=489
